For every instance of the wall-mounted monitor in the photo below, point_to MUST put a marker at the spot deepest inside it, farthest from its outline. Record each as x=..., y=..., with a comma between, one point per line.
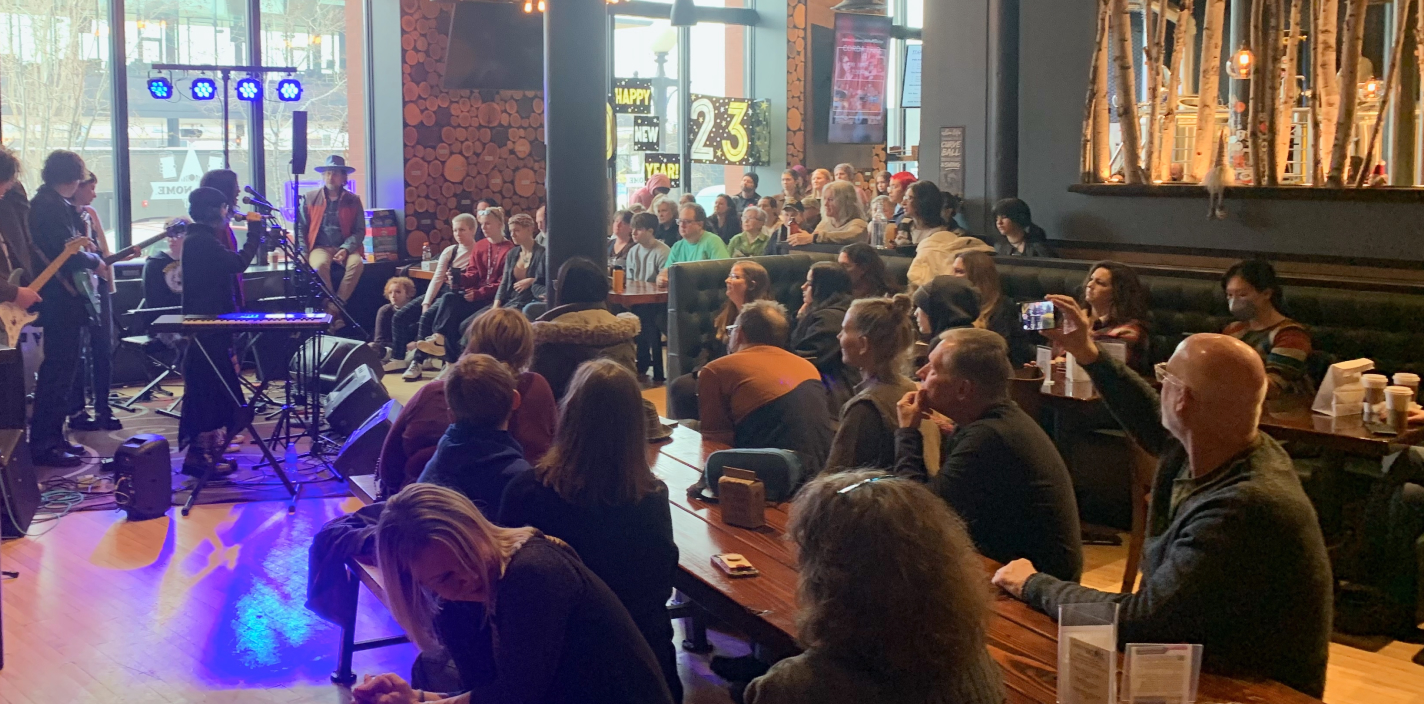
x=858, y=74
x=494, y=46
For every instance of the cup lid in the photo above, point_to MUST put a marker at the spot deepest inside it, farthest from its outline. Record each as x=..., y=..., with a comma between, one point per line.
x=1374, y=380
x=1406, y=376
x=1399, y=391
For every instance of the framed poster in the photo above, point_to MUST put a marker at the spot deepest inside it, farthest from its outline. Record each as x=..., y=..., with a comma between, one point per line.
x=859, y=69
x=647, y=133
x=632, y=96
x=732, y=131
x=951, y=160
x=669, y=164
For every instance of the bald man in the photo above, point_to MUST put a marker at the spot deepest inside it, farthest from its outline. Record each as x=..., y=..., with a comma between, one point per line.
x=1234, y=559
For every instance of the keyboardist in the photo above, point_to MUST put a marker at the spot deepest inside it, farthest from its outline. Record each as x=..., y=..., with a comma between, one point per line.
x=211, y=272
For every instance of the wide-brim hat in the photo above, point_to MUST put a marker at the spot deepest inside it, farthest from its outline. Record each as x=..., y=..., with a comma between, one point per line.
x=657, y=430
x=334, y=163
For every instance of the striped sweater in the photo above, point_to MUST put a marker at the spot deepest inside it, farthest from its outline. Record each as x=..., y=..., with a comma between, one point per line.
x=1284, y=348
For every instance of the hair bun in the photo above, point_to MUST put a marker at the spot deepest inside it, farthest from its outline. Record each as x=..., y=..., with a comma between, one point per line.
x=901, y=304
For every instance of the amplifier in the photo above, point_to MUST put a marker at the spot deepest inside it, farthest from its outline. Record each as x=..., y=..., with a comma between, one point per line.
x=143, y=477
x=19, y=490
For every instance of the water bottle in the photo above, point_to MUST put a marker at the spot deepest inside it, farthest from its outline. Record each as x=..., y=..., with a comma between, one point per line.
x=877, y=230
x=425, y=252
x=289, y=462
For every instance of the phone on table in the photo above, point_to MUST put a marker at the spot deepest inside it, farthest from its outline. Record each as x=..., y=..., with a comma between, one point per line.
x=1382, y=429
x=734, y=565
x=1038, y=315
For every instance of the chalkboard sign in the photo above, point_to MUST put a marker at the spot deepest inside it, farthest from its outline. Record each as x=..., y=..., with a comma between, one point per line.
x=632, y=96
x=951, y=160
x=668, y=164
x=647, y=133
x=732, y=131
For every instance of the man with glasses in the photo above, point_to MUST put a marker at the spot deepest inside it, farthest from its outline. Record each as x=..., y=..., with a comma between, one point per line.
x=695, y=245
x=1234, y=558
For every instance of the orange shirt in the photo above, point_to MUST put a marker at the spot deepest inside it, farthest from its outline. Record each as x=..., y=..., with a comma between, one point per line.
x=731, y=387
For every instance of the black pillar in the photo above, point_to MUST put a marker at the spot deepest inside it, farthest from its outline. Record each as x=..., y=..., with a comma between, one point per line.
x=575, y=130
x=1003, y=147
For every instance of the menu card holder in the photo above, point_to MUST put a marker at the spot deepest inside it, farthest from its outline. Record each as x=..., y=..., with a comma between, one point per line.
x=1161, y=674
x=743, y=498
x=1087, y=653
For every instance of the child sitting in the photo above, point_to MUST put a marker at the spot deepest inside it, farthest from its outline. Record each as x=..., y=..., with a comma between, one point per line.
x=397, y=321
x=477, y=456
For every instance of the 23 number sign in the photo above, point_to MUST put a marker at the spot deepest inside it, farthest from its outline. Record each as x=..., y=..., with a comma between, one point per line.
x=733, y=131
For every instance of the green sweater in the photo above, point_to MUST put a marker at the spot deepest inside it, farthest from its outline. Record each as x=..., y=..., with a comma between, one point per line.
x=744, y=245
x=709, y=247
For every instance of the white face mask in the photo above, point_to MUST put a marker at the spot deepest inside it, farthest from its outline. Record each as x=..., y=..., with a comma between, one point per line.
x=1242, y=308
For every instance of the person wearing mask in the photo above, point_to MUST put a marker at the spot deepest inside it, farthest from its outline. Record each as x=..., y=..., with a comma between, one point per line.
x=997, y=312
x=665, y=207
x=619, y=242
x=520, y=615
x=748, y=195
x=842, y=219
x=820, y=178
x=936, y=245
x=450, y=270
x=209, y=411
x=792, y=190
x=1234, y=557
x=478, y=285
x=921, y=638
x=98, y=347
x=761, y=395
x=595, y=490
x=1117, y=303
x=657, y=185
x=999, y=471
x=646, y=261
x=393, y=331
x=875, y=339
x=1253, y=294
x=695, y=244
x=524, y=284
x=754, y=237
x=816, y=335
x=747, y=281
x=868, y=276
x=1022, y=238
x=724, y=221
x=506, y=335
x=581, y=327
x=15, y=241
x=53, y=222
x=332, y=222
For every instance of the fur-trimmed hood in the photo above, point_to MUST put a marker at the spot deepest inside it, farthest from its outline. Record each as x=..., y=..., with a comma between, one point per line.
x=595, y=327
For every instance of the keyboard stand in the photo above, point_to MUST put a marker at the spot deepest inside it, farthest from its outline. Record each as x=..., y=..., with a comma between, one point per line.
x=246, y=414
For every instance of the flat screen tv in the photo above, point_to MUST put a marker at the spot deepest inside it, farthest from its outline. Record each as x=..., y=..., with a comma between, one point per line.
x=495, y=46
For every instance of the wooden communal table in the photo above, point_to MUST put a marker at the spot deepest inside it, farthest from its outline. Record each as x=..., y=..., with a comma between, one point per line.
x=422, y=270
x=639, y=293
x=1023, y=641
x=1291, y=419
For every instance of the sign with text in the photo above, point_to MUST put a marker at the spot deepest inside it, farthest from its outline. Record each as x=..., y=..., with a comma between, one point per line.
x=910, y=88
x=858, y=79
x=632, y=96
x=732, y=131
x=647, y=133
x=667, y=164
x=951, y=160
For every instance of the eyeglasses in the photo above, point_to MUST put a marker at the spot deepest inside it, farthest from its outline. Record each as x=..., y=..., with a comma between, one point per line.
x=731, y=328
x=861, y=483
x=1163, y=375
x=680, y=221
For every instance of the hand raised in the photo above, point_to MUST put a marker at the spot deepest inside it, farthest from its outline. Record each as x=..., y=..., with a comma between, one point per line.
x=910, y=409
x=1073, y=332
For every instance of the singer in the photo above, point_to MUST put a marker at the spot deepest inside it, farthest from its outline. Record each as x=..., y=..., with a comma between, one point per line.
x=332, y=225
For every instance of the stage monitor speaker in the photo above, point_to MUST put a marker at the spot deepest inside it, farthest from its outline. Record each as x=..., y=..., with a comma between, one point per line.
x=299, y=142
x=354, y=400
x=12, y=388
x=337, y=358
x=19, y=490
x=143, y=477
x=358, y=456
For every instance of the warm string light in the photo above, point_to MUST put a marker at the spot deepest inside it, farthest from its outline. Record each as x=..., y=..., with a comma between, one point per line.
x=1241, y=62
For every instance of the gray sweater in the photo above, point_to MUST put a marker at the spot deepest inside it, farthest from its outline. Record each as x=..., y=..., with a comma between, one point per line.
x=1240, y=566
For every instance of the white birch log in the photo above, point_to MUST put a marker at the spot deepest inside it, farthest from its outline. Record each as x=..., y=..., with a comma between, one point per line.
x=1126, y=92
x=1325, y=81
x=1352, y=42
x=1208, y=85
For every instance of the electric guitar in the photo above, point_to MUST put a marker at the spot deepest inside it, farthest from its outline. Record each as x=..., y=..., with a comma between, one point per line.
x=15, y=318
x=86, y=283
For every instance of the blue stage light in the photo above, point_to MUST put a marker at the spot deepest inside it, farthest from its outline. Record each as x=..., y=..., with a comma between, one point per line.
x=249, y=89
x=160, y=88
x=289, y=89
x=203, y=89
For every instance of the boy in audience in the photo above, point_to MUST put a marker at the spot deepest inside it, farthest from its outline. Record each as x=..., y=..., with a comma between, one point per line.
x=394, y=332
x=477, y=456
x=646, y=260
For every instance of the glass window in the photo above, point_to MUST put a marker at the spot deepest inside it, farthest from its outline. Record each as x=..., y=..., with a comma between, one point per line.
x=645, y=48
x=55, y=88
x=173, y=142
x=709, y=75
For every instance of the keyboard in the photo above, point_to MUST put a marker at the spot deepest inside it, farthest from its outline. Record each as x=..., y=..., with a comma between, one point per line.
x=240, y=322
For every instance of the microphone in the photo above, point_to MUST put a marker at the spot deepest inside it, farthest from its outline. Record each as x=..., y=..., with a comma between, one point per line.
x=259, y=204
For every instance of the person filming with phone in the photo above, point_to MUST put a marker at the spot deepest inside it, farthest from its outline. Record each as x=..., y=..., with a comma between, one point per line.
x=1234, y=557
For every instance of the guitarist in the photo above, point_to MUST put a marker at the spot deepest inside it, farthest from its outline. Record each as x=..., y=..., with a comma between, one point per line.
x=14, y=232
x=53, y=222
x=99, y=346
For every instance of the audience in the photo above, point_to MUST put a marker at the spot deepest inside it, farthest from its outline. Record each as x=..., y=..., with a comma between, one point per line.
x=581, y=327
x=747, y=281
x=542, y=225
x=1117, y=304
x=810, y=218
x=996, y=311
x=646, y=260
x=1022, y=238
x=792, y=190
x=752, y=240
x=825, y=297
x=868, y=275
x=999, y=471
x=935, y=244
x=1254, y=297
x=893, y=607
x=558, y=635
x=657, y=185
x=899, y=188
x=748, y=195
x=882, y=183
x=842, y=219
x=479, y=283
x=761, y=395
x=945, y=303
x=665, y=207
x=395, y=332
x=524, y=284
x=1234, y=558
x=595, y=490
x=620, y=241
x=450, y=270
x=506, y=335
x=725, y=222
x=695, y=245
x=477, y=456
x=819, y=179
x=790, y=224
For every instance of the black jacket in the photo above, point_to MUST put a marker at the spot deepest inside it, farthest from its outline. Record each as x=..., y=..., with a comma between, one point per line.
x=53, y=222
x=814, y=339
x=538, y=270
x=211, y=271
x=1032, y=248
x=668, y=233
x=15, y=232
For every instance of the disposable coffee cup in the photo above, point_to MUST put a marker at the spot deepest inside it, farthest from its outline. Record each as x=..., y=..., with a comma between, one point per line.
x=1409, y=380
x=1397, y=398
x=1374, y=387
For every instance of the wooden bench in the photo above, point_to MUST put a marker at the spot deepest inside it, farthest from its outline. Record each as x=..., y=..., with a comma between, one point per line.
x=364, y=489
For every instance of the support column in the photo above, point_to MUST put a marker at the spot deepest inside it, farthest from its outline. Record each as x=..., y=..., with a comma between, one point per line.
x=575, y=130
x=1003, y=161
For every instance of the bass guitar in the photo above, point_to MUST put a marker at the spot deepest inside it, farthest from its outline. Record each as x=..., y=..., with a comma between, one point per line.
x=15, y=318
x=86, y=283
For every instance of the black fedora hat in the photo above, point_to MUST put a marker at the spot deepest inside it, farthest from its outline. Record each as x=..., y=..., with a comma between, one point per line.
x=334, y=163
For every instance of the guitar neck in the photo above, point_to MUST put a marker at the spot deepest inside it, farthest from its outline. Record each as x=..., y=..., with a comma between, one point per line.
x=127, y=252
x=49, y=271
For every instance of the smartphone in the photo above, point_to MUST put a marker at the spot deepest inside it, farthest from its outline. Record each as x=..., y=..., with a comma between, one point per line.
x=1038, y=315
x=1383, y=429
x=734, y=565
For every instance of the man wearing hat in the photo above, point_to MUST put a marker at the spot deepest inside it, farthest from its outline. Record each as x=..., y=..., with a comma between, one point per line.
x=332, y=223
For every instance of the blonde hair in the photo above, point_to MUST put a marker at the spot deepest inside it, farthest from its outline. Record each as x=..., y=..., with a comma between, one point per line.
x=506, y=335
x=885, y=322
x=497, y=213
x=664, y=199
x=480, y=391
x=466, y=218
x=424, y=514
x=847, y=200
x=979, y=269
x=399, y=283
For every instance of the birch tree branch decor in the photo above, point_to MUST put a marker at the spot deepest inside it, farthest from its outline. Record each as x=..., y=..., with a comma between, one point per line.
x=1127, y=123
x=1208, y=87
x=1349, y=95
